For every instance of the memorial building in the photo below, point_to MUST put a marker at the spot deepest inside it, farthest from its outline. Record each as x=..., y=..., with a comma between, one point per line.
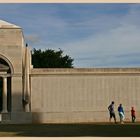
x=59, y=95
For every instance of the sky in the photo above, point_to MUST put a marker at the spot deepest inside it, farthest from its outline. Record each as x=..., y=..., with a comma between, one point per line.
x=94, y=35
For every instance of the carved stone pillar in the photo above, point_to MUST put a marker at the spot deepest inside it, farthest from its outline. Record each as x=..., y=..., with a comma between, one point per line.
x=4, y=103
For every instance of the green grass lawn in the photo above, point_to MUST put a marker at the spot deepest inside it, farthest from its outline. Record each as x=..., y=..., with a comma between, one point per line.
x=71, y=130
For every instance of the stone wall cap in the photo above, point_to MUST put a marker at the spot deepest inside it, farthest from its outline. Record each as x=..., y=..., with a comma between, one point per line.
x=5, y=24
x=41, y=71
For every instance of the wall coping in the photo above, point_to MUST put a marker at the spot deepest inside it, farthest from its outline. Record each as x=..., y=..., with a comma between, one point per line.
x=61, y=71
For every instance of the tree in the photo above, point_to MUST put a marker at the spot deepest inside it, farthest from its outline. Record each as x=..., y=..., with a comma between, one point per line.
x=51, y=59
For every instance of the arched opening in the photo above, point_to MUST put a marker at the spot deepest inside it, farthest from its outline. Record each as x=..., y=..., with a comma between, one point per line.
x=5, y=70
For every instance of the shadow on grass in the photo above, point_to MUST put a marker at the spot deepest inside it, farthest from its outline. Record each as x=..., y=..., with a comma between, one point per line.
x=70, y=130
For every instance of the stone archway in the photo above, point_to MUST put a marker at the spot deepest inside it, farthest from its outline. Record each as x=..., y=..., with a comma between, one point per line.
x=5, y=86
x=6, y=62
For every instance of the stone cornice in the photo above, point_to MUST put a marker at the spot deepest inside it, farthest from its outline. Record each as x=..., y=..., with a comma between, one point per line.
x=7, y=25
x=85, y=71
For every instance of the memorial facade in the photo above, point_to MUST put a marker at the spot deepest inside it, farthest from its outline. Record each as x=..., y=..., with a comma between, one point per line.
x=75, y=95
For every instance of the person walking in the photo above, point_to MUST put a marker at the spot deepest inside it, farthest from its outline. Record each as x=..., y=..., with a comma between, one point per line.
x=111, y=111
x=133, y=114
x=121, y=113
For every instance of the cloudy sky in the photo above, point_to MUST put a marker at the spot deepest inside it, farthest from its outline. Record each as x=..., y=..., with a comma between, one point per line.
x=95, y=35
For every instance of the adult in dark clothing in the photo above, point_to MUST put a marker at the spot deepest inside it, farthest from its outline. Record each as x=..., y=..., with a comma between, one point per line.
x=112, y=112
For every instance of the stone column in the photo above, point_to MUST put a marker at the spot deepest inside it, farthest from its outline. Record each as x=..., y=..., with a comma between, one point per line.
x=4, y=110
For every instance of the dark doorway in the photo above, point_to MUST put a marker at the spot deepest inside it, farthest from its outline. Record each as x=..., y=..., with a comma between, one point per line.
x=1, y=88
x=9, y=94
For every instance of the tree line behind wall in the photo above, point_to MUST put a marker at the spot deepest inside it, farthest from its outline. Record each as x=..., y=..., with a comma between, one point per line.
x=51, y=59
